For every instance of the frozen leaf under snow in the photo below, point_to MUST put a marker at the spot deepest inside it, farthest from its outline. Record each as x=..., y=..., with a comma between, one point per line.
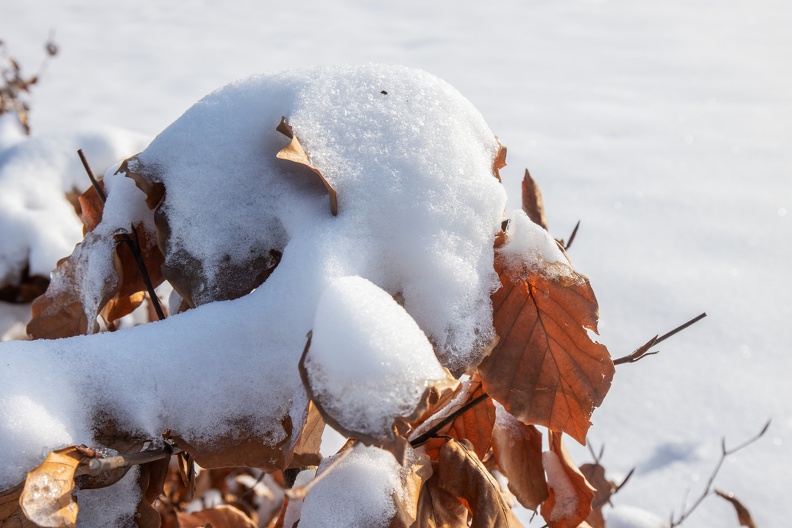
x=571, y=496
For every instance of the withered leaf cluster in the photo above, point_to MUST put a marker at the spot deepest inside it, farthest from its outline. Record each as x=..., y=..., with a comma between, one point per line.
x=477, y=457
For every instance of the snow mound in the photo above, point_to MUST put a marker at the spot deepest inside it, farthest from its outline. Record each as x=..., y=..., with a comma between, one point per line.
x=38, y=223
x=369, y=478
x=368, y=362
x=419, y=208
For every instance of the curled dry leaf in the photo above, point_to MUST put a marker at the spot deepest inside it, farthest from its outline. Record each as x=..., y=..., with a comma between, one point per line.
x=306, y=452
x=438, y=508
x=545, y=369
x=532, y=201
x=47, y=496
x=518, y=451
x=499, y=162
x=461, y=474
x=416, y=472
x=224, y=516
x=11, y=515
x=743, y=515
x=595, y=475
x=295, y=152
x=570, y=499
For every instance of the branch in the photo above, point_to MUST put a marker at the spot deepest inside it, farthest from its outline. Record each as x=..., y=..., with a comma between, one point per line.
x=133, y=245
x=97, y=466
x=572, y=236
x=643, y=350
x=447, y=420
x=708, y=490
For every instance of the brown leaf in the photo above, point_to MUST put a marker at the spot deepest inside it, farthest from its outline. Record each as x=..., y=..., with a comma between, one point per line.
x=295, y=152
x=518, y=450
x=437, y=508
x=595, y=475
x=11, y=515
x=743, y=515
x=418, y=469
x=545, y=369
x=47, y=497
x=571, y=496
x=224, y=516
x=532, y=201
x=60, y=311
x=91, y=208
x=306, y=452
x=499, y=162
x=463, y=475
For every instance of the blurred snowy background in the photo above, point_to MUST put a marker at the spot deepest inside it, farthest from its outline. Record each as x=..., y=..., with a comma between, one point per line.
x=666, y=128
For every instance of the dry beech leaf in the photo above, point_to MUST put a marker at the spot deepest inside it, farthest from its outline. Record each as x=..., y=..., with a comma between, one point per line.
x=11, y=515
x=474, y=425
x=499, y=162
x=561, y=510
x=181, y=269
x=224, y=516
x=60, y=311
x=595, y=475
x=91, y=208
x=463, y=475
x=306, y=452
x=417, y=471
x=295, y=152
x=532, y=201
x=518, y=451
x=437, y=508
x=47, y=496
x=545, y=369
x=743, y=515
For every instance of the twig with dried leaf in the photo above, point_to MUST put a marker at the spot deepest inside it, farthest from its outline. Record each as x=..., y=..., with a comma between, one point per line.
x=708, y=489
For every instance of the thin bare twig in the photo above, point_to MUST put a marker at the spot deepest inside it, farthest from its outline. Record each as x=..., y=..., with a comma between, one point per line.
x=447, y=420
x=97, y=466
x=708, y=490
x=132, y=244
x=572, y=236
x=643, y=351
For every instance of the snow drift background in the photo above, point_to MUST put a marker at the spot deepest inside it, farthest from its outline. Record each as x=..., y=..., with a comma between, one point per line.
x=664, y=127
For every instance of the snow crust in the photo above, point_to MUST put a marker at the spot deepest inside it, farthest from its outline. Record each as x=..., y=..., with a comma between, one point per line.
x=566, y=499
x=529, y=244
x=369, y=362
x=357, y=492
x=419, y=208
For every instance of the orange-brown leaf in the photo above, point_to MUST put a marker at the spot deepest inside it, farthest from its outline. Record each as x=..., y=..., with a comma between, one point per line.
x=224, y=516
x=47, y=496
x=439, y=509
x=463, y=475
x=532, y=201
x=91, y=208
x=595, y=475
x=11, y=515
x=518, y=451
x=499, y=162
x=545, y=369
x=295, y=153
x=306, y=452
x=417, y=471
x=571, y=496
x=743, y=515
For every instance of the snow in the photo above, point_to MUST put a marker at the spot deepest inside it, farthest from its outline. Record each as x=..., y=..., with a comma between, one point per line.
x=39, y=224
x=368, y=361
x=370, y=479
x=664, y=127
x=566, y=499
x=529, y=243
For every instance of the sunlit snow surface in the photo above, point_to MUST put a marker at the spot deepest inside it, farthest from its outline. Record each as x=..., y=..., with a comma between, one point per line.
x=663, y=126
